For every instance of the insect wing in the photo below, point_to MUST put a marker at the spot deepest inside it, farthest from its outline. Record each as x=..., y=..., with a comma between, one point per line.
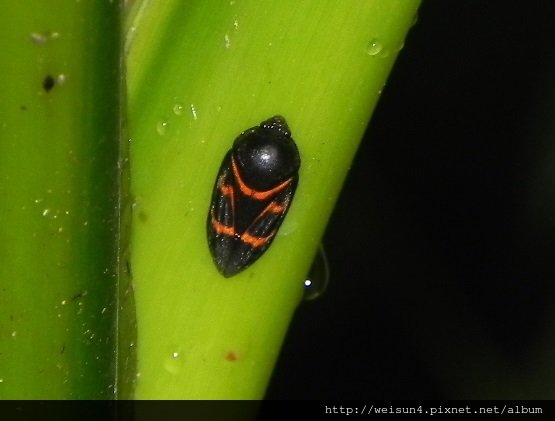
x=220, y=224
x=260, y=234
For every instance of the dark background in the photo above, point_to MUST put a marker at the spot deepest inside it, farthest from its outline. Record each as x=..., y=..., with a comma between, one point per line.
x=441, y=245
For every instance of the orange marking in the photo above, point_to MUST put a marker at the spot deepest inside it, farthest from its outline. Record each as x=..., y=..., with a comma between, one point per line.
x=274, y=208
x=227, y=190
x=222, y=229
x=256, y=242
x=255, y=194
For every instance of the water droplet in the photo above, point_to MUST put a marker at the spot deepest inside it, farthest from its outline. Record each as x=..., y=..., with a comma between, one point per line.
x=318, y=277
x=1, y=380
x=178, y=109
x=194, y=111
x=45, y=212
x=60, y=79
x=173, y=362
x=14, y=333
x=162, y=127
x=374, y=47
x=38, y=38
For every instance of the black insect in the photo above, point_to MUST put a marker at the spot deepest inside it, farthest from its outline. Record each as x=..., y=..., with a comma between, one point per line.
x=253, y=191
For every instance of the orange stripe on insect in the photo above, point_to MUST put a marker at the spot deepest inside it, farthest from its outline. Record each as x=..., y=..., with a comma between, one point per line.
x=255, y=194
x=255, y=242
x=220, y=228
x=227, y=190
x=274, y=208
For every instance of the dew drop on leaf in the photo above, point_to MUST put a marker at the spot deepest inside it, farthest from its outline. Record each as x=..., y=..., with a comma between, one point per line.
x=318, y=277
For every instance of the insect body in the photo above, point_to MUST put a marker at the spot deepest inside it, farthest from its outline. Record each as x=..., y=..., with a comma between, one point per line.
x=253, y=191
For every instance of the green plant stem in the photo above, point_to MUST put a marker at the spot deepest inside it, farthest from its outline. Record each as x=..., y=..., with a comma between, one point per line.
x=59, y=131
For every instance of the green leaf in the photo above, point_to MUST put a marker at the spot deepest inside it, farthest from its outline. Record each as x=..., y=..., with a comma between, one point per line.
x=199, y=73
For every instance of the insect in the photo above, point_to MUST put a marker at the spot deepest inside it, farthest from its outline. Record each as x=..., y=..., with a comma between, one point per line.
x=253, y=191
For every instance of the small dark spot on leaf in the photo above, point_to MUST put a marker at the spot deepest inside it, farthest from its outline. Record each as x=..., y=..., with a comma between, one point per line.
x=23, y=107
x=143, y=217
x=79, y=295
x=128, y=267
x=231, y=356
x=63, y=349
x=48, y=83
